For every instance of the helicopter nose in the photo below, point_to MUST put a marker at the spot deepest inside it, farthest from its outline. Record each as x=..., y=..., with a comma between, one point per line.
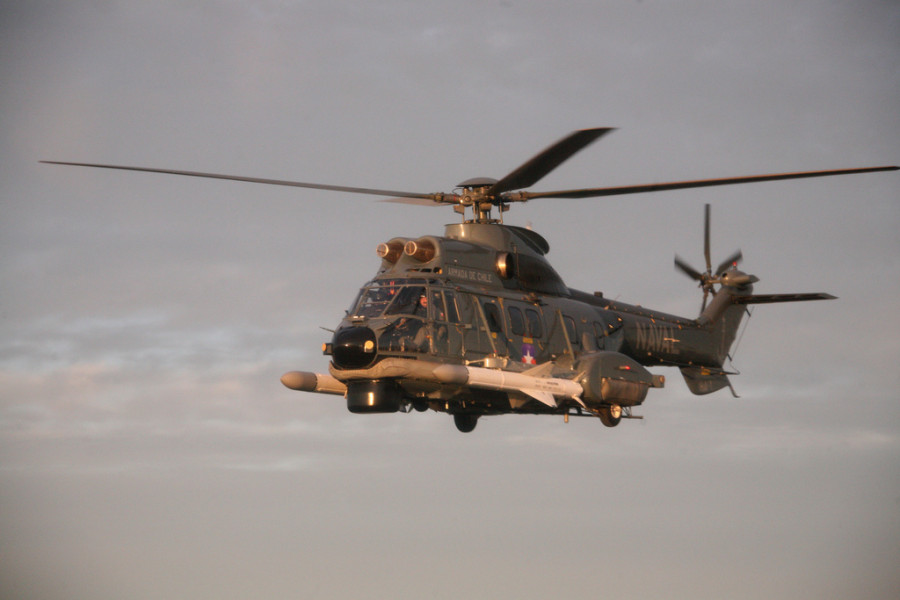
x=353, y=348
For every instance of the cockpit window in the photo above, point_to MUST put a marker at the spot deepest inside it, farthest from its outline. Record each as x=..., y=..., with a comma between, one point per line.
x=373, y=302
x=452, y=310
x=437, y=306
x=410, y=300
x=393, y=296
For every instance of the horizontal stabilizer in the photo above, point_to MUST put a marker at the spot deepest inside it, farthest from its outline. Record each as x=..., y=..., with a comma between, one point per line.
x=702, y=381
x=773, y=298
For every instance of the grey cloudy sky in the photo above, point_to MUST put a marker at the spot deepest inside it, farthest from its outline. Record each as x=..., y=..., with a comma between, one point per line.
x=147, y=448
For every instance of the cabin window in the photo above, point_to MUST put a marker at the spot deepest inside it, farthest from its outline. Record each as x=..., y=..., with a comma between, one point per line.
x=516, y=320
x=494, y=319
x=571, y=330
x=535, y=328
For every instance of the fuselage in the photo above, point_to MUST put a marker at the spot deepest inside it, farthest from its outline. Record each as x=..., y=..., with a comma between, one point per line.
x=484, y=294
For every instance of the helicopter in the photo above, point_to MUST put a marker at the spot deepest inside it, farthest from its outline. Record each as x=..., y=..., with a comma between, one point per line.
x=476, y=322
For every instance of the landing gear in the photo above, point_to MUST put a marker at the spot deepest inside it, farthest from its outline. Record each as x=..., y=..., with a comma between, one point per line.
x=610, y=415
x=465, y=422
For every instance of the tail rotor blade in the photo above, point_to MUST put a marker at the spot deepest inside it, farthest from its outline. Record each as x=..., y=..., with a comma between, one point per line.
x=728, y=262
x=687, y=269
x=706, y=252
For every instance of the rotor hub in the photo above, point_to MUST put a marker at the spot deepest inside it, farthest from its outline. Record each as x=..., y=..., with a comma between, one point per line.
x=476, y=194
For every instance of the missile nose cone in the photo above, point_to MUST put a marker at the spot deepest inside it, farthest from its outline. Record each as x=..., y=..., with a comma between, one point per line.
x=300, y=381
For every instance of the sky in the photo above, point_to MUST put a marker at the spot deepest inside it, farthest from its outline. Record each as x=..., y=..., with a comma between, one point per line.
x=147, y=447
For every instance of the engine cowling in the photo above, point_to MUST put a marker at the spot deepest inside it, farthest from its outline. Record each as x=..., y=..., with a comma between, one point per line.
x=612, y=378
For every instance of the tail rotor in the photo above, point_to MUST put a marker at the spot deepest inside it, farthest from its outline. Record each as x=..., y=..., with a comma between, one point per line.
x=709, y=278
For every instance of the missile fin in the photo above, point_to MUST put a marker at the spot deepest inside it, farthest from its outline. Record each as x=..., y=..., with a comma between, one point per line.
x=545, y=397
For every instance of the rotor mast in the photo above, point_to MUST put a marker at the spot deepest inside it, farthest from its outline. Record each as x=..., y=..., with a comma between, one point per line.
x=476, y=194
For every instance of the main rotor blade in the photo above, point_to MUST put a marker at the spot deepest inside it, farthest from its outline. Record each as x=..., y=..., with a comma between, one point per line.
x=315, y=186
x=678, y=185
x=416, y=201
x=538, y=166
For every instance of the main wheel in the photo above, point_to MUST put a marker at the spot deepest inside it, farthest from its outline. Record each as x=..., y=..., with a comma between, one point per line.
x=610, y=415
x=465, y=422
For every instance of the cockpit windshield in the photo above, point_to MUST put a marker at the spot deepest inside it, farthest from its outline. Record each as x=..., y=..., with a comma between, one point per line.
x=410, y=300
x=392, y=298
